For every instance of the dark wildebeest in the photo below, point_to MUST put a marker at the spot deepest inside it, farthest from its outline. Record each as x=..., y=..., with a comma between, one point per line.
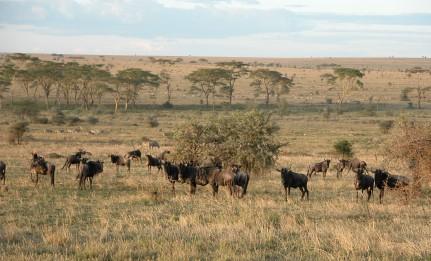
x=153, y=144
x=319, y=167
x=195, y=175
x=134, y=155
x=120, y=161
x=75, y=159
x=290, y=179
x=384, y=179
x=41, y=167
x=89, y=170
x=240, y=181
x=3, y=172
x=153, y=162
x=356, y=165
x=340, y=166
x=363, y=182
x=172, y=172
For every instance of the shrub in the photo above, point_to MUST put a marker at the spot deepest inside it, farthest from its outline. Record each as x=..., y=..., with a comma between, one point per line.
x=344, y=148
x=40, y=120
x=328, y=100
x=17, y=131
x=167, y=105
x=73, y=120
x=58, y=118
x=26, y=109
x=386, y=126
x=152, y=121
x=93, y=120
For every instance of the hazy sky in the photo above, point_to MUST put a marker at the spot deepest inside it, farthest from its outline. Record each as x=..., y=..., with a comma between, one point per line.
x=276, y=28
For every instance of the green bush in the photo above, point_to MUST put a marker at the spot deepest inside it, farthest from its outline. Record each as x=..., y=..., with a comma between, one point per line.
x=17, y=131
x=386, y=126
x=344, y=148
x=93, y=120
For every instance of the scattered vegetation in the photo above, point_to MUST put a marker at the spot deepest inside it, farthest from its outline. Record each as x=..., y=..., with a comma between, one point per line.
x=17, y=131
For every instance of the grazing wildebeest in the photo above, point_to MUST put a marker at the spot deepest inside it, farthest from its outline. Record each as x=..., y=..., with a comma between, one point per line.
x=384, y=179
x=3, y=172
x=162, y=156
x=319, y=167
x=153, y=162
x=134, y=155
x=120, y=161
x=41, y=167
x=340, y=166
x=89, y=170
x=356, y=165
x=153, y=144
x=171, y=171
x=240, y=181
x=363, y=182
x=75, y=159
x=290, y=179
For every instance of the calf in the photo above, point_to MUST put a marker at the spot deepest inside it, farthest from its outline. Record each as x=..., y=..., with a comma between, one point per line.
x=88, y=171
x=153, y=162
x=74, y=159
x=240, y=181
x=356, y=165
x=134, y=155
x=120, y=161
x=319, y=167
x=41, y=167
x=385, y=179
x=171, y=172
x=340, y=166
x=3, y=172
x=195, y=175
x=290, y=179
x=363, y=182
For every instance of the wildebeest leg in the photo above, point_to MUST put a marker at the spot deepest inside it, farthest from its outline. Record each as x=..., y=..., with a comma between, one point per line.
x=306, y=191
x=215, y=189
x=52, y=175
x=285, y=193
x=369, y=192
x=173, y=187
x=128, y=166
x=324, y=174
x=91, y=182
x=37, y=179
x=382, y=192
x=192, y=188
x=302, y=192
x=288, y=191
x=357, y=195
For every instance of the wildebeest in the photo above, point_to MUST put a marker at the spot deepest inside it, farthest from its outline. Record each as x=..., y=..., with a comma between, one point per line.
x=75, y=159
x=340, y=166
x=3, y=172
x=363, y=182
x=240, y=181
x=41, y=167
x=171, y=172
x=195, y=175
x=153, y=162
x=134, y=155
x=319, y=167
x=290, y=179
x=163, y=156
x=384, y=179
x=356, y=165
x=153, y=144
x=120, y=161
x=89, y=170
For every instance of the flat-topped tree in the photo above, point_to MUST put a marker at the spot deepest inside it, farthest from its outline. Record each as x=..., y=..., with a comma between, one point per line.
x=134, y=80
x=420, y=89
x=348, y=80
x=207, y=80
x=47, y=74
x=270, y=83
x=235, y=70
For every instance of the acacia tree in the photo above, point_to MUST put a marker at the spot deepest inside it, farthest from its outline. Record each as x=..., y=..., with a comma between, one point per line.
x=93, y=81
x=420, y=90
x=235, y=70
x=270, y=83
x=166, y=80
x=348, y=80
x=134, y=80
x=47, y=74
x=26, y=79
x=206, y=81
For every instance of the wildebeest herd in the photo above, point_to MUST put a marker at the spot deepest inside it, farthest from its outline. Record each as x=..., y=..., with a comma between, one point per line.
x=215, y=174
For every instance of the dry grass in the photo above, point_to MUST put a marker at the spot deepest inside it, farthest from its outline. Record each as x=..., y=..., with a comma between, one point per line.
x=122, y=219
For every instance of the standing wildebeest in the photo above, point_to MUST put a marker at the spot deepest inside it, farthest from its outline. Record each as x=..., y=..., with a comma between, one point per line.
x=319, y=167
x=171, y=171
x=363, y=182
x=240, y=181
x=120, y=161
x=74, y=159
x=41, y=167
x=290, y=179
x=89, y=170
x=357, y=165
x=195, y=175
x=153, y=144
x=340, y=166
x=153, y=162
x=3, y=172
x=163, y=156
x=134, y=155
x=385, y=179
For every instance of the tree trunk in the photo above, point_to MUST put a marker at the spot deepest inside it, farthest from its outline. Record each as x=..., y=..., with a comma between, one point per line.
x=126, y=105
x=47, y=101
x=117, y=101
x=207, y=99
x=267, y=97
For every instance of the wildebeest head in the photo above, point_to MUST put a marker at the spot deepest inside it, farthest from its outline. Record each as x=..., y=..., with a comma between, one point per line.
x=114, y=158
x=328, y=161
x=235, y=168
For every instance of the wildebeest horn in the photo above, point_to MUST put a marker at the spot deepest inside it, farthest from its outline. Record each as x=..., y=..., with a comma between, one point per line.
x=279, y=170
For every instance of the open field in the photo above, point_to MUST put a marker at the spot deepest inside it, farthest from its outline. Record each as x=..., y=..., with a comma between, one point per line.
x=136, y=216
